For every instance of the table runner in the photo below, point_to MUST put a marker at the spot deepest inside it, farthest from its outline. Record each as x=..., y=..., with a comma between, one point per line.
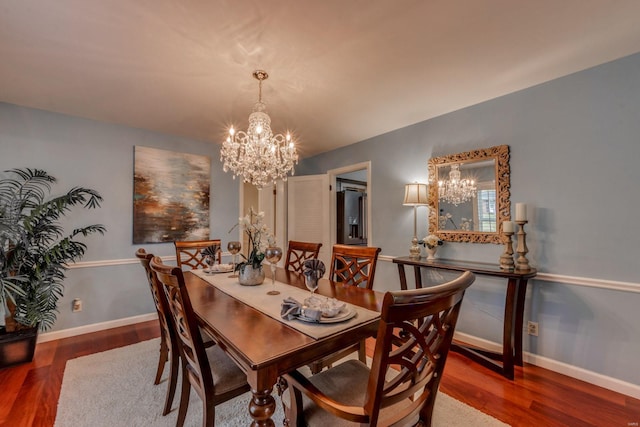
x=256, y=297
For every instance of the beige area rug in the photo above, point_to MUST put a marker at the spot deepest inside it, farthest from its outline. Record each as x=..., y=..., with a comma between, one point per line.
x=115, y=388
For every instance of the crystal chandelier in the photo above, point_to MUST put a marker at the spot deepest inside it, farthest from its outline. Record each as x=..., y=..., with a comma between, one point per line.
x=258, y=156
x=455, y=190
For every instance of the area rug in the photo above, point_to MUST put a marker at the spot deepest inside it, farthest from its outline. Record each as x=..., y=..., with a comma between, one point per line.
x=115, y=388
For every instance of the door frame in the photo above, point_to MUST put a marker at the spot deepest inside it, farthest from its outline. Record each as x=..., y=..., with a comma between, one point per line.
x=333, y=220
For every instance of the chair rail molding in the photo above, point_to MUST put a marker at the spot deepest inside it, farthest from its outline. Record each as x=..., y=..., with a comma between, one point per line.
x=125, y=261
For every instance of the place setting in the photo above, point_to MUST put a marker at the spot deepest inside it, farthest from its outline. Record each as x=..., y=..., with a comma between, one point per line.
x=316, y=308
x=210, y=254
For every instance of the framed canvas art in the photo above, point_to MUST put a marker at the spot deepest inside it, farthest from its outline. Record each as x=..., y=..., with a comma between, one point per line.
x=170, y=196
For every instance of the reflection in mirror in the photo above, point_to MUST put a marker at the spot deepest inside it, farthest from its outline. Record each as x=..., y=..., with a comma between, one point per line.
x=469, y=195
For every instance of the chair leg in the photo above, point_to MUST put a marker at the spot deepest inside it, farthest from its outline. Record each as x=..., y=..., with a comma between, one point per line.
x=184, y=398
x=164, y=356
x=362, y=352
x=295, y=413
x=426, y=413
x=316, y=367
x=173, y=381
x=209, y=416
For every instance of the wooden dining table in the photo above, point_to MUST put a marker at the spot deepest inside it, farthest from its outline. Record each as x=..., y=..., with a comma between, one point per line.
x=265, y=347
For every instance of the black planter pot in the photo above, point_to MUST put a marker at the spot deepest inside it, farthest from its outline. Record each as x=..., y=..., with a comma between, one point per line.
x=17, y=347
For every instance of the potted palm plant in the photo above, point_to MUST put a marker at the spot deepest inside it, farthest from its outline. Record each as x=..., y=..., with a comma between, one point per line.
x=34, y=252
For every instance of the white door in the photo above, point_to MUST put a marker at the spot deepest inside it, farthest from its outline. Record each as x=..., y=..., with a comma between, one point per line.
x=308, y=212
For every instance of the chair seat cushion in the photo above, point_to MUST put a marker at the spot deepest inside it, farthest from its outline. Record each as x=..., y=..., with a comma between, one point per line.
x=347, y=384
x=226, y=374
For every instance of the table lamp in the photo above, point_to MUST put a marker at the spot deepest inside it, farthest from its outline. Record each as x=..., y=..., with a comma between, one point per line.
x=415, y=195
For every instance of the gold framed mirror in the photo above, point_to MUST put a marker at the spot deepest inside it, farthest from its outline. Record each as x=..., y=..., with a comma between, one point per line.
x=469, y=195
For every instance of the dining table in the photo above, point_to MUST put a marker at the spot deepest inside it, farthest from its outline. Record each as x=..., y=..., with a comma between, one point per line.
x=245, y=322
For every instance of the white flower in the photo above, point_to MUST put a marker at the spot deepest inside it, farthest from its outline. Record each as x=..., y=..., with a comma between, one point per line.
x=431, y=241
x=259, y=237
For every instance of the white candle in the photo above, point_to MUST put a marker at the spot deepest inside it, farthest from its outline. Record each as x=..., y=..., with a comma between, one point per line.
x=521, y=212
x=507, y=226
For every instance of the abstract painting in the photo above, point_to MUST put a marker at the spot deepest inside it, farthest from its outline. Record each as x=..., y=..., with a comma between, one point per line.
x=170, y=196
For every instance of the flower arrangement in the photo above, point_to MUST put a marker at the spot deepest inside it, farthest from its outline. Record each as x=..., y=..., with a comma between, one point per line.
x=431, y=241
x=259, y=239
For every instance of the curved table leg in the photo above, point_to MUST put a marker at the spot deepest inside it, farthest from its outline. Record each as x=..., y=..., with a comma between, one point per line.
x=518, y=328
x=262, y=407
x=509, y=331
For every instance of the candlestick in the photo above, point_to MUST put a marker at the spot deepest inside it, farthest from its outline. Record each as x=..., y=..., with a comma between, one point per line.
x=508, y=227
x=521, y=212
x=522, y=263
x=506, y=259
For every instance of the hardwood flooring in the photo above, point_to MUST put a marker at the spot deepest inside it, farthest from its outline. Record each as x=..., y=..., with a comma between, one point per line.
x=537, y=397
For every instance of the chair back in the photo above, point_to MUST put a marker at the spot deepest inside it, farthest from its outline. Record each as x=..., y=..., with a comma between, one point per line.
x=413, y=341
x=298, y=253
x=159, y=298
x=192, y=350
x=189, y=253
x=354, y=265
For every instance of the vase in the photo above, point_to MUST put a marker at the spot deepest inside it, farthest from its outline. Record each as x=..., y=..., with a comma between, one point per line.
x=431, y=252
x=249, y=276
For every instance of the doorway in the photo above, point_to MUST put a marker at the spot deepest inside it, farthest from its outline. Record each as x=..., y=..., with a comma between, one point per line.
x=350, y=207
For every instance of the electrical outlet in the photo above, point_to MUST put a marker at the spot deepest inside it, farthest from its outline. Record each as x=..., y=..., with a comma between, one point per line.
x=532, y=328
x=76, y=306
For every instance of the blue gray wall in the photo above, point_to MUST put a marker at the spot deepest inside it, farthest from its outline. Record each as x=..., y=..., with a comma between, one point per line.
x=97, y=155
x=575, y=145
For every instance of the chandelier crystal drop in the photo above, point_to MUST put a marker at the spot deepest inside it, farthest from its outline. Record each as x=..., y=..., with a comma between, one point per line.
x=258, y=156
x=456, y=190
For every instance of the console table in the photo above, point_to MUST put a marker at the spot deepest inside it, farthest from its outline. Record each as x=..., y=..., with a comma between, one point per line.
x=513, y=308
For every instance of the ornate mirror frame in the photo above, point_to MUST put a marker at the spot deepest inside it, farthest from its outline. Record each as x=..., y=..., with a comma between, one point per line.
x=503, y=184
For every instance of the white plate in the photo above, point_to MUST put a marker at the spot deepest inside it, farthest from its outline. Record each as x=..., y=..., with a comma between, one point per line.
x=216, y=269
x=346, y=314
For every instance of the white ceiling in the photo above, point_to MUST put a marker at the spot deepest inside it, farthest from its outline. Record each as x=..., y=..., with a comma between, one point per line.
x=340, y=71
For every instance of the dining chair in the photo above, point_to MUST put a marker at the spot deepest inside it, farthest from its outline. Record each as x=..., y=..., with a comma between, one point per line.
x=412, y=344
x=214, y=375
x=298, y=253
x=352, y=266
x=189, y=252
x=168, y=344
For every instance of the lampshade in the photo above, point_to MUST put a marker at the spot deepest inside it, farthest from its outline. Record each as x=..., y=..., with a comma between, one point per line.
x=415, y=194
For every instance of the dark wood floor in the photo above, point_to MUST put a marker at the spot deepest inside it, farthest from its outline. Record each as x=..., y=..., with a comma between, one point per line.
x=537, y=397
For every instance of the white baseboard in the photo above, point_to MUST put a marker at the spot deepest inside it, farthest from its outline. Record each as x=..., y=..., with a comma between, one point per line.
x=95, y=327
x=591, y=377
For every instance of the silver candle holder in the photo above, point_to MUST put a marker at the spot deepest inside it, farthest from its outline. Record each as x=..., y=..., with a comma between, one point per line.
x=506, y=259
x=522, y=263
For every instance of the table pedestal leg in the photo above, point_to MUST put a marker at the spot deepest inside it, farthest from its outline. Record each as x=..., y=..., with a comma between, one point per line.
x=262, y=407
